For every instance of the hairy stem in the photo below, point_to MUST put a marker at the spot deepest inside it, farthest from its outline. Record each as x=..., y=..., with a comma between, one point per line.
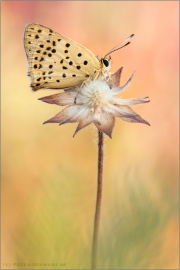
x=98, y=198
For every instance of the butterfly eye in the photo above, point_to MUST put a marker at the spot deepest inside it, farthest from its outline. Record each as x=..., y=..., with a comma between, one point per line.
x=105, y=62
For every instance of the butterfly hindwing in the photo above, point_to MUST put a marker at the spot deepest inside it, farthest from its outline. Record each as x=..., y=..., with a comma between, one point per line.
x=32, y=33
x=55, y=61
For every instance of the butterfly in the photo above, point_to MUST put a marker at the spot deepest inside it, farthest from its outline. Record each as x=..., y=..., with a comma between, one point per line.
x=58, y=62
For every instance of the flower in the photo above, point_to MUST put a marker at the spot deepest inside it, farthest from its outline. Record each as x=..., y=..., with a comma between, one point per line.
x=96, y=103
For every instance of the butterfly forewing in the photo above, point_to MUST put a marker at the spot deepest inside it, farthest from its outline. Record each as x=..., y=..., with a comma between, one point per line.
x=56, y=61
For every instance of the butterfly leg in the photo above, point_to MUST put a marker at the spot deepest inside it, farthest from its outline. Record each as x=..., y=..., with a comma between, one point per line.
x=107, y=78
x=88, y=78
x=80, y=88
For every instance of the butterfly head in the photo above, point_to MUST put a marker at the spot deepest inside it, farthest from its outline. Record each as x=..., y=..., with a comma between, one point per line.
x=106, y=63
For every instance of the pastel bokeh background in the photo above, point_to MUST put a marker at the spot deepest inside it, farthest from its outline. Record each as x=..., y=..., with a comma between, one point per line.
x=49, y=178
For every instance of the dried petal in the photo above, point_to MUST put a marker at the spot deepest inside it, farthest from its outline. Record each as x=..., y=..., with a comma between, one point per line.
x=65, y=114
x=97, y=116
x=78, y=116
x=115, y=77
x=117, y=90
x=127, y=114
x=88, y=119
x=130, y=101
x=107, y=124
x=120, y=110
x=62, y=99
x=134, y=119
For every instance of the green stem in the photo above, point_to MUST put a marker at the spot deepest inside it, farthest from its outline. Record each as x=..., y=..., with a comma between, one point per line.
x=98, y=198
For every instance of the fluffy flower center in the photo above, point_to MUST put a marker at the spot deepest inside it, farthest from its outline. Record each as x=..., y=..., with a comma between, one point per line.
x=96, y=94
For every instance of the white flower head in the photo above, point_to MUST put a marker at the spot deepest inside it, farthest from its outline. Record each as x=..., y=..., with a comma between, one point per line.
x=96, y=103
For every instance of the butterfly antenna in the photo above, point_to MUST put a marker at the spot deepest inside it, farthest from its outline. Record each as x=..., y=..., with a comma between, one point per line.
x=120, y=45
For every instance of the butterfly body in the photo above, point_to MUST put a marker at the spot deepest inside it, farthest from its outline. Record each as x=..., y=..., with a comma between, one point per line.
x=57, y=62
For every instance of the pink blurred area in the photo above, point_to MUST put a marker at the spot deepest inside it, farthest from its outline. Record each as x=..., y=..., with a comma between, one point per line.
x=30, y=151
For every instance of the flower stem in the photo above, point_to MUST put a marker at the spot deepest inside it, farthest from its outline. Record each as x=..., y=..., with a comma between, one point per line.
x=98, y=198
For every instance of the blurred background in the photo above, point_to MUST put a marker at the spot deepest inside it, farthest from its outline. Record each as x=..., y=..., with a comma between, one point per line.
x=49, y=178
